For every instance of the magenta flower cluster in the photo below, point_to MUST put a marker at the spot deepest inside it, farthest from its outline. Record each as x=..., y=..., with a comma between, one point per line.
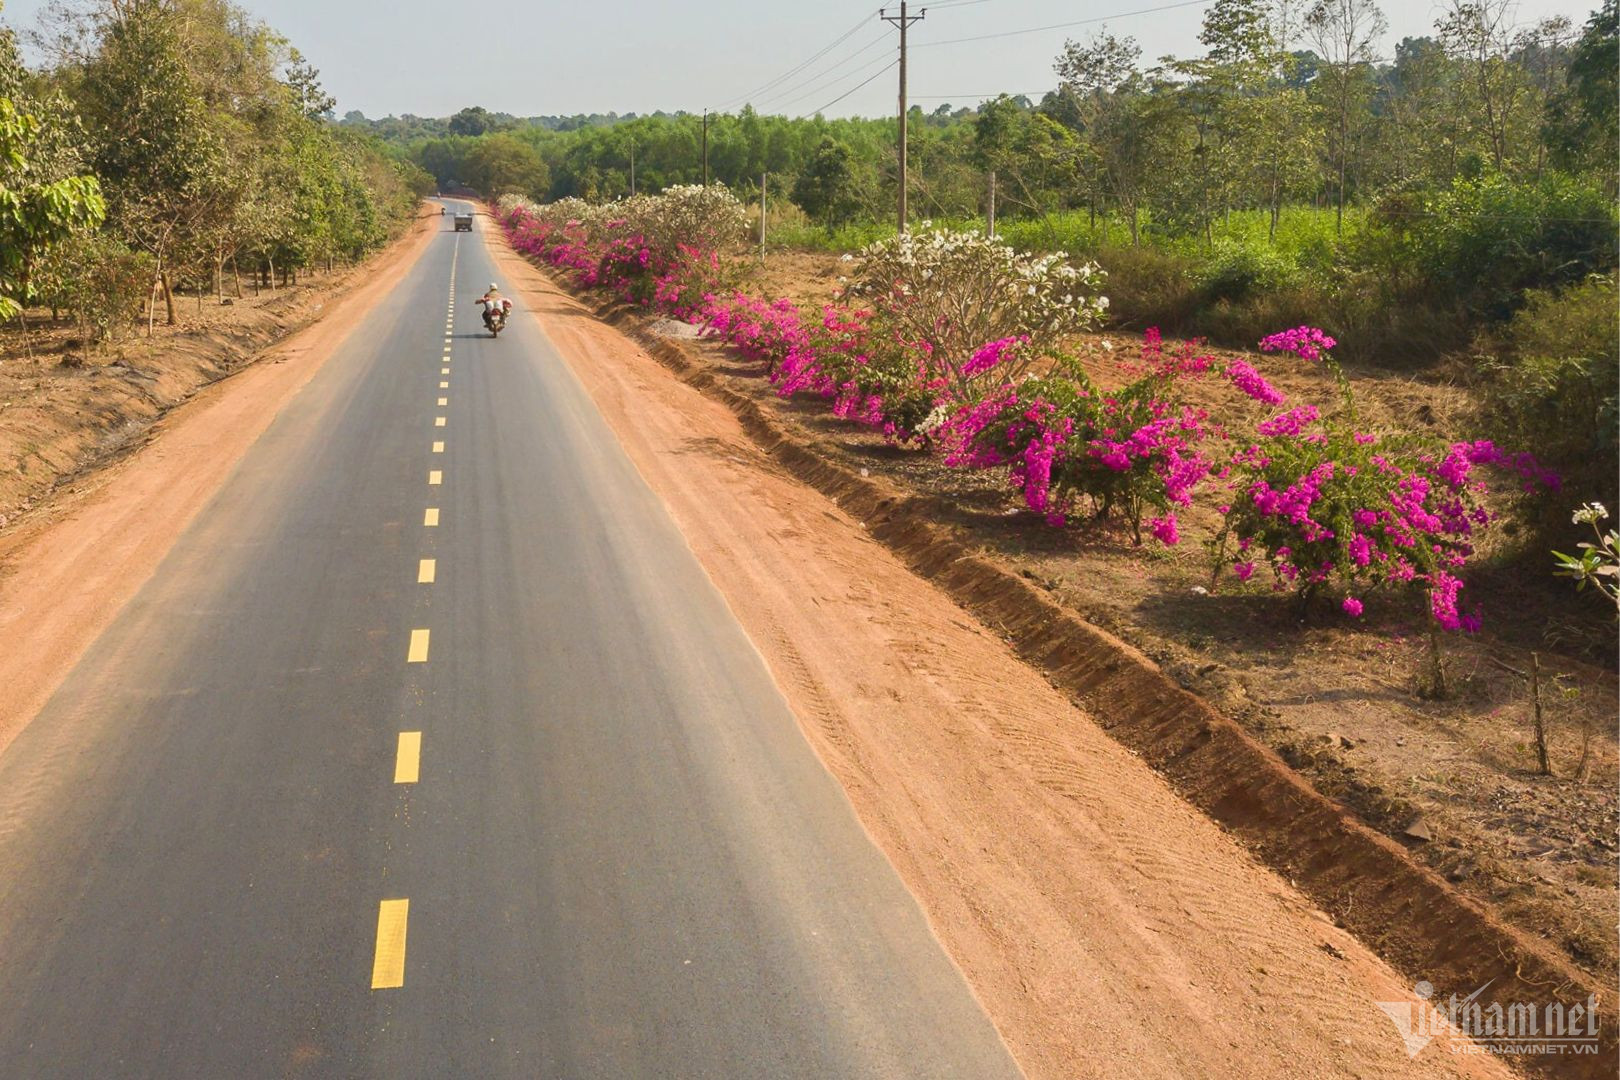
x=1305, y=342
x=1244, y=376
x=1325, y=504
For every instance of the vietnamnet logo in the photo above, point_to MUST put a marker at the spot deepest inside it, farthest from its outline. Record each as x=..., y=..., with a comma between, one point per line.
x=1492, y=1027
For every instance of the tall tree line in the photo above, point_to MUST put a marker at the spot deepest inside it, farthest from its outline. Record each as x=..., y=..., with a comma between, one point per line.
x=1292, y=103
x=203, y=148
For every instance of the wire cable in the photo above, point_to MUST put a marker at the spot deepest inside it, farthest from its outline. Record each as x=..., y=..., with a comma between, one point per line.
x=822, y=88
x=788, y=74
x=798, y=87
x=1063, y=25
x=892, y=64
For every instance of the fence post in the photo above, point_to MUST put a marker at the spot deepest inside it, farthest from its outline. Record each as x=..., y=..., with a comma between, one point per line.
x=990, y=216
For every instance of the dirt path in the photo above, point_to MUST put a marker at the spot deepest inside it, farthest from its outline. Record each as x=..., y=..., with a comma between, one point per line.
x=65, y=573
x=1108, y=927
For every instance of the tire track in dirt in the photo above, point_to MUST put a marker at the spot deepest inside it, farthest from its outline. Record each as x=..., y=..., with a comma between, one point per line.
x=1109, y=928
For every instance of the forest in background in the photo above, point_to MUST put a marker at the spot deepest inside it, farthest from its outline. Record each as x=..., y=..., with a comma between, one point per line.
x=1291, y=173
x=169, y=144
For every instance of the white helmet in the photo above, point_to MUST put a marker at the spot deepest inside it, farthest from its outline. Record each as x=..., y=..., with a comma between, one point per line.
x=494, y=287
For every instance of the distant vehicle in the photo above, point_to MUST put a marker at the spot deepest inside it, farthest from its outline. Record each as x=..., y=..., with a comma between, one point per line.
x=464, y=223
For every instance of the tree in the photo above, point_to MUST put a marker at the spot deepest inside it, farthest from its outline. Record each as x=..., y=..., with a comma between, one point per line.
x=827, y=189
x=504, y=164
x=475, y=120
x=1214, y=95
x=1478, y=34
x=1344, y=33
x=34, y=215
x=1279, y=128
x=1096, y=79
x=157, y=148
x=44, y=197
x=1583, y=123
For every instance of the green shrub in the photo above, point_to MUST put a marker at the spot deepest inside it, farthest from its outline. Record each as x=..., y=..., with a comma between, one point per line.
x=1580, y=321
x=1485, y=241
x=99, y=282
x=1148, y=287
x=1553, y=390
x=1236, y=271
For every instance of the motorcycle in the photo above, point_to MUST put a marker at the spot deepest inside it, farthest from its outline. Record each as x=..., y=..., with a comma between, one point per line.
x=495, y=320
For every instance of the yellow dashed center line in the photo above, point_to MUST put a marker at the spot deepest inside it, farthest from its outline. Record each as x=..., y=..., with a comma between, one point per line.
x=430, y=517
x=435, y=477
x=444, y=371
x=419, y=648
x=443, y=402
x=426, y=571
x=438, y=448
x=444, y=385
x=388, y=968
x=408, y=761
x=438, y=421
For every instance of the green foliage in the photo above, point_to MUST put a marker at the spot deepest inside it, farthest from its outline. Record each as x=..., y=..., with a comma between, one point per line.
x=1485, y=241
x=827, y=188
x=34, y=215
x=99, y=282
x=207, y=138
x=1555, y=389
x=502, y=164
x=1584, y=127
x=1597, y=564
x=1238, y=271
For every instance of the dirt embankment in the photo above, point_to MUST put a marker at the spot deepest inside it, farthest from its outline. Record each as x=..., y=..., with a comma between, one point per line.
x=1109, y=927
x=125, y=452
x=68, y=407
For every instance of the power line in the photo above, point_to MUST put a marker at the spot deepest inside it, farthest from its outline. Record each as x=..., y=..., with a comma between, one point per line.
x=851, y=90
x=882, y=38
x=821, y=88
x=788, y=74
x=985, y=97
x=1064, y=25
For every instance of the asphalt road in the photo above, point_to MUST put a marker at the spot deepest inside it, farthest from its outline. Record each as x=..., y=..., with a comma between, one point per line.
x=609, y=851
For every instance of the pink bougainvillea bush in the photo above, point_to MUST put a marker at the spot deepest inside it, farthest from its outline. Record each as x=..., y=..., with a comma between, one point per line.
x=1066, y=443
x=653, y=251
x=956, y=346
x=1324, y=506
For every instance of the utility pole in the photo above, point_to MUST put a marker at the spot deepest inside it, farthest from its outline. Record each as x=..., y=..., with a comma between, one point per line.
x=632, y=166
x=705, y=147
x=903, y=21
x=762, y=177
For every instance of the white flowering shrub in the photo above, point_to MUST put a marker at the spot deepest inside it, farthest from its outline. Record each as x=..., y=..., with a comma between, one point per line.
x=507, y=204
x=701, y=218
x=1597, y=564
x=949, y=293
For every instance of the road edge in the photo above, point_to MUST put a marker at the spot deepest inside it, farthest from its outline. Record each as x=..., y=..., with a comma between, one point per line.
x=72, y=571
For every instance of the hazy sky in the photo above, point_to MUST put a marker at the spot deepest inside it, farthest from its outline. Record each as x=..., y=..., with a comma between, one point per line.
x=549, y=57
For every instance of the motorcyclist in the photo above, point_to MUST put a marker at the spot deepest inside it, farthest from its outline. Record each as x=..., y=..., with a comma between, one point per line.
x=492, y=301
